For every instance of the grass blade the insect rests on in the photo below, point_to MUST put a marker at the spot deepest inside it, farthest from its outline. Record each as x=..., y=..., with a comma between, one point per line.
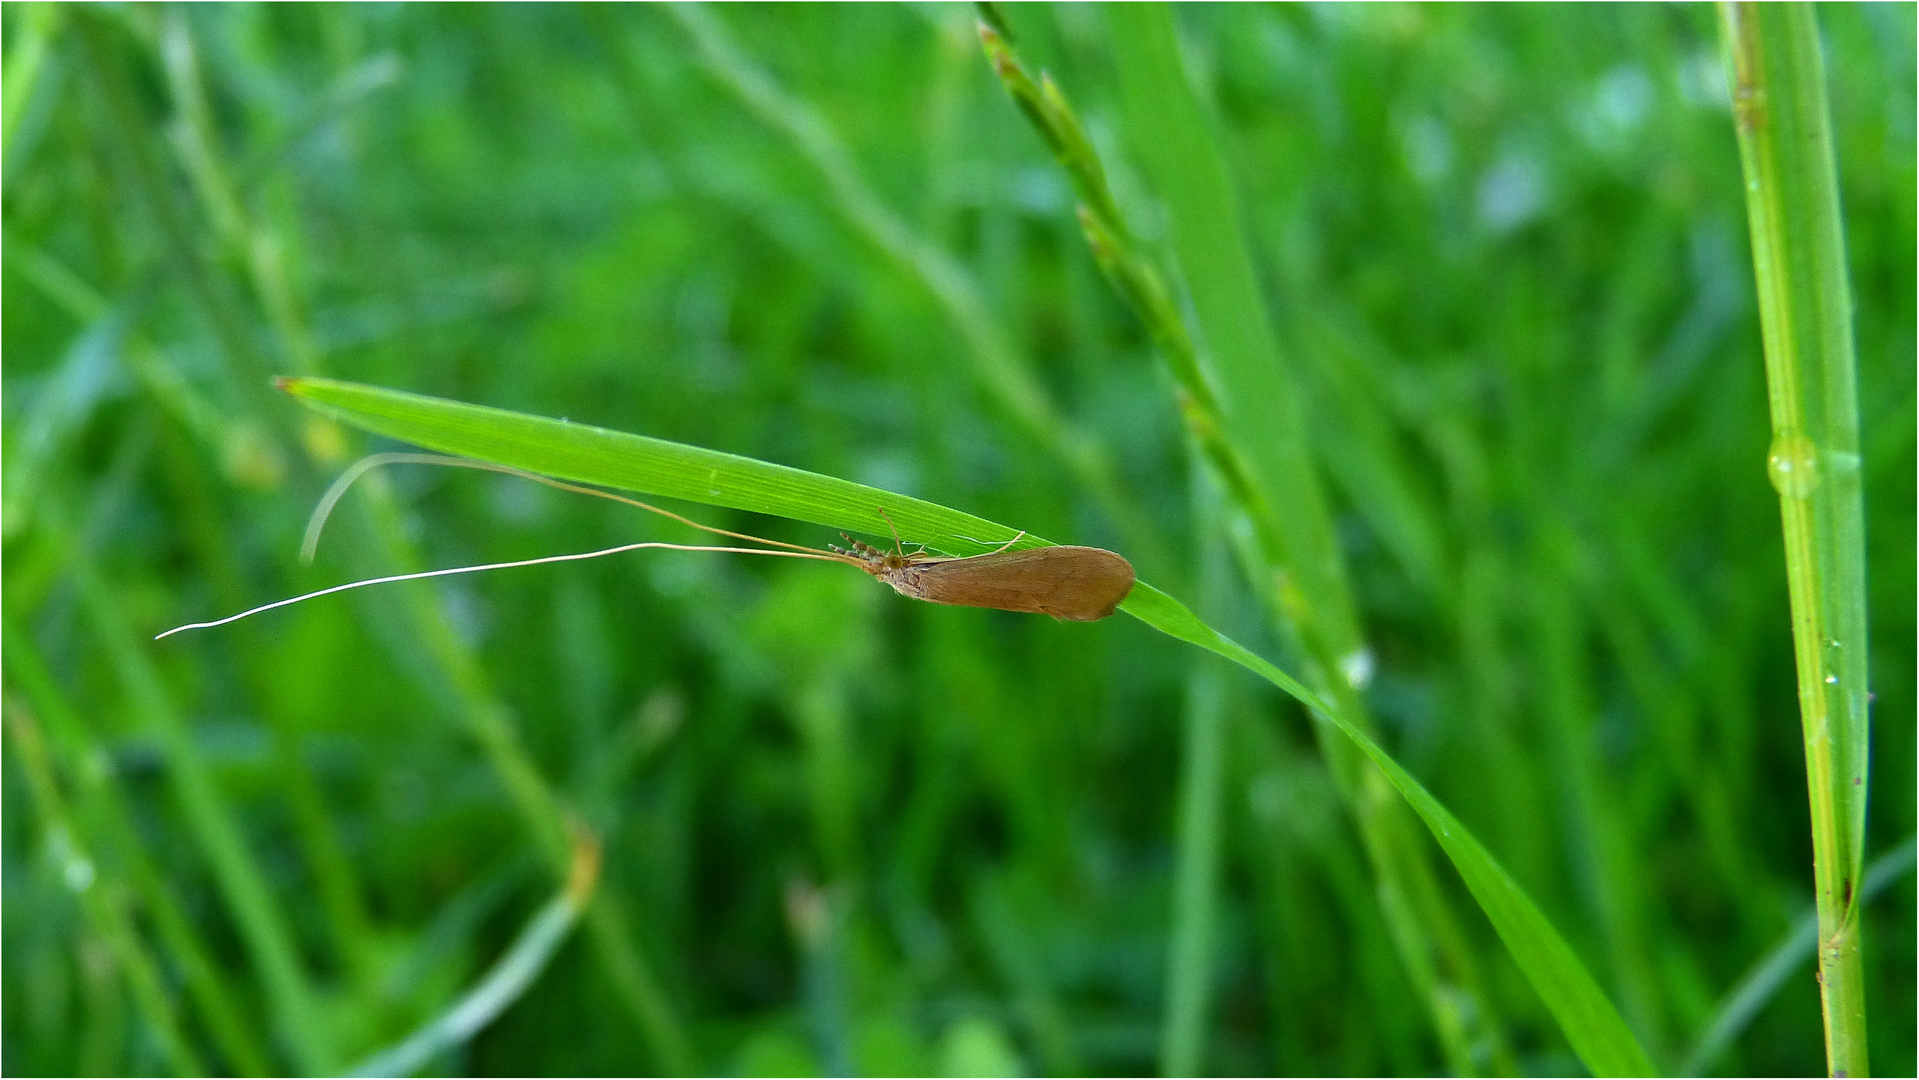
x=1068, y=582
x=595, y=455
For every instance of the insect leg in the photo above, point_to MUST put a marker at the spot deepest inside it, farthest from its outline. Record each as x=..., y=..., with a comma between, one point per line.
x=897, y=545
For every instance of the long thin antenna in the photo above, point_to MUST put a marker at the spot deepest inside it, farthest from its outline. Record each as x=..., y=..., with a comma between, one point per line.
x=575, y=557
x=311, y=541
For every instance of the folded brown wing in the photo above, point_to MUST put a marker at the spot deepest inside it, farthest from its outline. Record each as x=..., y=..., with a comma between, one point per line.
x=1079, y=583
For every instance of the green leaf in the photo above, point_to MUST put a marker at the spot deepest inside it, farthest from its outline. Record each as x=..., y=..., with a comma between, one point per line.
x=654, y=466
x=616, y=459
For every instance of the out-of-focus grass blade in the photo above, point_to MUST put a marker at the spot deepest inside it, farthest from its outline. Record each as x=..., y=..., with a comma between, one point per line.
x=28, y=70
x=1202, y=800
x=1597, y=1032
x=1169, y=132
x=101, y=896
x=104, y=812
x=1258, y=391
x=1261, y=418
x=262, y=922
x=654, y=466
x=505, y=981
x=1785, y=961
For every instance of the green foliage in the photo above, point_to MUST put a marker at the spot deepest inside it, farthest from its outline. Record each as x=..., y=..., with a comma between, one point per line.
x=654, y=467
x=1503, y=252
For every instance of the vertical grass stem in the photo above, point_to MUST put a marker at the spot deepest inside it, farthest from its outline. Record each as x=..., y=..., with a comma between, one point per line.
x=1805, y=311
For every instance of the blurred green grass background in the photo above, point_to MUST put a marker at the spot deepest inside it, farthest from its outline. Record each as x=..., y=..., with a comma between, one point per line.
x=1504, y=250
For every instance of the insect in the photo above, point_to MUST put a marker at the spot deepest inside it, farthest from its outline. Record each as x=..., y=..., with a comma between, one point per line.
x=1067, y=582
x=1080, y=584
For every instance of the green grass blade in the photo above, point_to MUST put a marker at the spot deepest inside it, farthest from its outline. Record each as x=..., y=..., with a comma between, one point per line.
x=101, y=896
x=1805, y=312
x=501, y=987
x=28, y=71
x=258, y=244
x=262, y=922
x=504, y=983
x=1263, y=421
x=616, y=459
x=1597, y=1032
x=658, y=467
x=103, y=807
x=1202, y=800
x=1259, y=401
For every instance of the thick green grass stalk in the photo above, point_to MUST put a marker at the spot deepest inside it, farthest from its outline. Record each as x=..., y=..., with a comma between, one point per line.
x=1805, y=311
x=1245, y=419
x=1784, y=962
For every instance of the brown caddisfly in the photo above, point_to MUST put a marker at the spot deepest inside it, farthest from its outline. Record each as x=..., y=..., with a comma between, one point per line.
x=1066, y=582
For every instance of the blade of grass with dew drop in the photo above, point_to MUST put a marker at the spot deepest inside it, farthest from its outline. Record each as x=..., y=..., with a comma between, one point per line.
x=1805, y=315
x=595, y=455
